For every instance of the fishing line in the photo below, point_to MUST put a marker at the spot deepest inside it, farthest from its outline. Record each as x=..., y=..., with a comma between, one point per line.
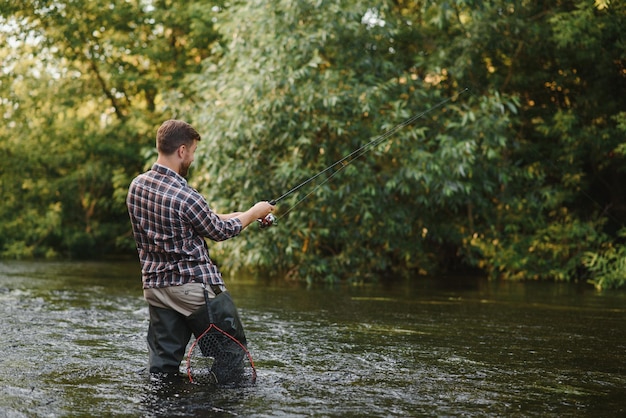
x=348, y=159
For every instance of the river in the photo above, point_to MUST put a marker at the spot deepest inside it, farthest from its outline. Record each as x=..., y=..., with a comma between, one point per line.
x=73, y=345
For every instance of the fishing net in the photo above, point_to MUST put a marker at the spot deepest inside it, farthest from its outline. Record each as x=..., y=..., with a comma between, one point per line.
x=219, y=355
x=216, y=357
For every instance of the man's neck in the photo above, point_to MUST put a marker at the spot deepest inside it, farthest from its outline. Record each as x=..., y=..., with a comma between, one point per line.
x=168, y=162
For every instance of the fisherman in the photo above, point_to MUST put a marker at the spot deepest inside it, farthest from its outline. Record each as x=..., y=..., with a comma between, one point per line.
x=170, y=221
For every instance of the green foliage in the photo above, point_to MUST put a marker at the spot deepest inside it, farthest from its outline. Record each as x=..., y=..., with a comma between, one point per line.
x=492, y=180
x=520, y=177
x=329, y=85
x=607, y=267
x=82, y=89
x=561, y=196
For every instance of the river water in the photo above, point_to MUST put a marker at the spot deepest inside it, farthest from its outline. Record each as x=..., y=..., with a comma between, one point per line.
x=73, y=345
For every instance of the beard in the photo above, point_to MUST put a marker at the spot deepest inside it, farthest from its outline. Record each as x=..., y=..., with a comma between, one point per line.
x=184, y=168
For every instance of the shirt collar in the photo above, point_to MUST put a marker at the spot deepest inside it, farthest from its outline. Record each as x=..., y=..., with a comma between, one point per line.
x=169, y=172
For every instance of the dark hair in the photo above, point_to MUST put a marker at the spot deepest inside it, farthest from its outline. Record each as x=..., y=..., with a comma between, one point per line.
x=174, y=133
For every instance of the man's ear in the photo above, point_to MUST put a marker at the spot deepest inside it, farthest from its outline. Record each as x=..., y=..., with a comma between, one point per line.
x=181, y=151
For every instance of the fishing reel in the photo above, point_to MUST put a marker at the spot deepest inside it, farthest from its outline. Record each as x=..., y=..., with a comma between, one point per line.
x=268, y=221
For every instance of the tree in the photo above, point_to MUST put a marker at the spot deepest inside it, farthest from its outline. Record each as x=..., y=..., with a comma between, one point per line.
x=563, y=60
x=514, y=168
x=472, y=185
x=296, y=91
x=84, y=88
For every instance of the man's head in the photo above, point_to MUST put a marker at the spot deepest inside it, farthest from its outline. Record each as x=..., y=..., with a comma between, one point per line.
x=176, y=143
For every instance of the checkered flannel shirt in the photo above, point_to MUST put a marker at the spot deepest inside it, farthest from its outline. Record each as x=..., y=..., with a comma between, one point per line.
x=170, y=220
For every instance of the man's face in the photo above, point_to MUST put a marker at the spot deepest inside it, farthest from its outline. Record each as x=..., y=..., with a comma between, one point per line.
x=187, y=155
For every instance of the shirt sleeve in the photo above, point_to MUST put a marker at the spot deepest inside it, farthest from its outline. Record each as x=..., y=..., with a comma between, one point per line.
x=207, y=223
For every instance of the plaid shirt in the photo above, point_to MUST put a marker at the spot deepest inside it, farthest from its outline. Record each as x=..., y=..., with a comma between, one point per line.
x=170, y=221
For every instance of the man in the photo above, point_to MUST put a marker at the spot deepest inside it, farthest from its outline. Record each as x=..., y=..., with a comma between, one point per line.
x=170, y=221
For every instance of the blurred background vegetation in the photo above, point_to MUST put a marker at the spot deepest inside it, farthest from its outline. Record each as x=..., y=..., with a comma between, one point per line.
x=520, y=178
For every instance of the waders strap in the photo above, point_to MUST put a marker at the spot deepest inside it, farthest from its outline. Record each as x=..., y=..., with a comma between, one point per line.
x=208, y=306
x=216, y=290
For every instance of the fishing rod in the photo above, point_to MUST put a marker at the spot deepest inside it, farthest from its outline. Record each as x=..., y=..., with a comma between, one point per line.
x=270, y=219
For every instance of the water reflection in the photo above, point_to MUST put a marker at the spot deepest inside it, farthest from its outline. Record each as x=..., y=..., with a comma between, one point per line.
x=175, y=396
x=74, y=345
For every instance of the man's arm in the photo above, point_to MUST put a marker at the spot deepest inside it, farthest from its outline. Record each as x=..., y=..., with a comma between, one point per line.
x=259, y=211
x=228, y=216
